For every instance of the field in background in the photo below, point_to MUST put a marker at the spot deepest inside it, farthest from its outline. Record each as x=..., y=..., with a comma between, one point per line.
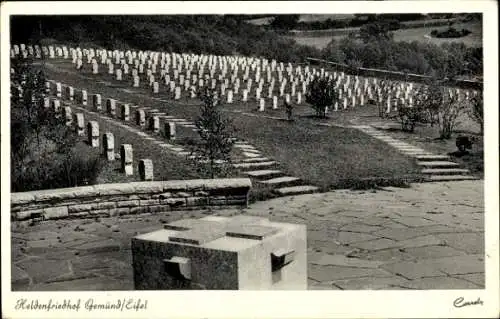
x=321, y=38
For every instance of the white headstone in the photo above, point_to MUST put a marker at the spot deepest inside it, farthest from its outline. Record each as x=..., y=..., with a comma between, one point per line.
x=93, y=133
x=108, y=143
x=127, y=159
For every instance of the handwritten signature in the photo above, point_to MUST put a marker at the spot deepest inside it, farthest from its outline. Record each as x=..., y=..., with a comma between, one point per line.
x=461, y=302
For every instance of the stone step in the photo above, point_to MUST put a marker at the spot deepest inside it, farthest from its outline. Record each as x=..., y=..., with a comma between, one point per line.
x=438, y=164
x=253, y=155
x=445, y=171
x=255, y=159
x=444, y=178
x=282, y=181
x=296, y=190
x=254, y=165
x=432, y=158
x=265, y=173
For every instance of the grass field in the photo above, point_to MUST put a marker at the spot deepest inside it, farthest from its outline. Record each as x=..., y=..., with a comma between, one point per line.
x=320, y=39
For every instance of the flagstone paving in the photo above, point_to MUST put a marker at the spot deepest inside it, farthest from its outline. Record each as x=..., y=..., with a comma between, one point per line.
x=429, y=236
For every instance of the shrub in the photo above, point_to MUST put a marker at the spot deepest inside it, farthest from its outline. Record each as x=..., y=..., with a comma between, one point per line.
x=450, y=33
x=321, y=94
x=476, y=109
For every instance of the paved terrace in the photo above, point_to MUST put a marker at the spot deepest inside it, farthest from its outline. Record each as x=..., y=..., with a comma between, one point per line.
x=429, y=236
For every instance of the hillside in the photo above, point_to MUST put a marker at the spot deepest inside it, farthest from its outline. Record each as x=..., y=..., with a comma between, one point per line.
x=215, y=34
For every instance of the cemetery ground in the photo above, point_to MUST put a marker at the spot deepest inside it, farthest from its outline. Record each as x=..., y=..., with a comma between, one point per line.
x=319, y=155
x=429, y=236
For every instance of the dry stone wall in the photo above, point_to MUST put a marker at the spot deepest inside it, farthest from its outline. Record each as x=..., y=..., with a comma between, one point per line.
x=107, y=200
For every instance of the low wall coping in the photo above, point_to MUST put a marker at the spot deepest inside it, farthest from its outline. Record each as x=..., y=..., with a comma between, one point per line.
x=128, y=188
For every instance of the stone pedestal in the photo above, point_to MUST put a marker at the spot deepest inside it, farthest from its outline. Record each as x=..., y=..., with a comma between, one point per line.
x=93, y=133
x=146, y=170
x=127, y=159
x=222, y=253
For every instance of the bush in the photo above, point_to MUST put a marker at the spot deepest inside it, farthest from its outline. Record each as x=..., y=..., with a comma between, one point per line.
x=476, y=110
x=321, y=94
x=450, y=33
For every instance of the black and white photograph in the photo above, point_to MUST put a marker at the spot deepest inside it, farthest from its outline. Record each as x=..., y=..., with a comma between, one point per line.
x=228, y=148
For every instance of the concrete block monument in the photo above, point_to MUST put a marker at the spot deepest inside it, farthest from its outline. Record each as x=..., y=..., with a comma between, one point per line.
x=222, y=253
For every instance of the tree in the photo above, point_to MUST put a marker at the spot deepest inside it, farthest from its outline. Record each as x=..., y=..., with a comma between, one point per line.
x=476, y=109
x=215, y=133
x=321, y=94
x=441, y=106
x=285, y=21
x=375, y=31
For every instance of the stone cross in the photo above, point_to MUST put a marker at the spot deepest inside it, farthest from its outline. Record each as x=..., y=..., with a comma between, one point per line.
x=93, y=133
x=108, y=144
x=146, y=169
x=127, y=159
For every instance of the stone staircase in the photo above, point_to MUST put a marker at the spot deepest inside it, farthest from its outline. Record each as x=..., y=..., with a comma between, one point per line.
x=433, y=166
x=265, y=171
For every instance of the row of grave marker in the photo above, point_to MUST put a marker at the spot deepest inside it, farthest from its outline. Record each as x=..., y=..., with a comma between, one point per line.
x=395, y=93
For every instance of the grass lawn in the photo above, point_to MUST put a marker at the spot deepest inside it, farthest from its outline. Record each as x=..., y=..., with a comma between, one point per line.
x=329, y=157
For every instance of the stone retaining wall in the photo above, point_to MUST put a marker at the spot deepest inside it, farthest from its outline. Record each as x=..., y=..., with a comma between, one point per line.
x=106, y=200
